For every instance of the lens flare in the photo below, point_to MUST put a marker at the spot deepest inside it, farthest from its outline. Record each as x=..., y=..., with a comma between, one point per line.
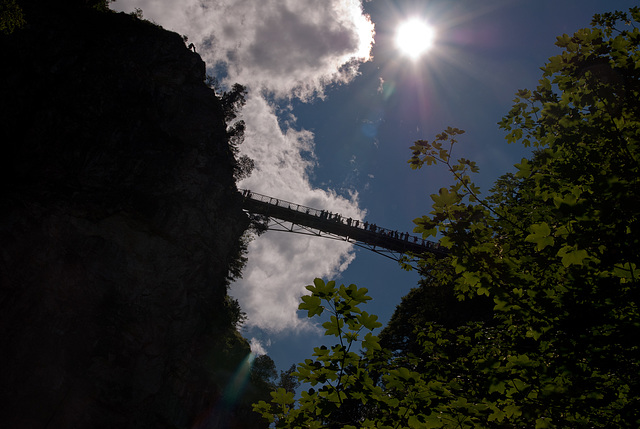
x=239, y=380
x=218, y=415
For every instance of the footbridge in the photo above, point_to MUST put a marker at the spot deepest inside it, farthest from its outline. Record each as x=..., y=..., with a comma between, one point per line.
x=292, y=217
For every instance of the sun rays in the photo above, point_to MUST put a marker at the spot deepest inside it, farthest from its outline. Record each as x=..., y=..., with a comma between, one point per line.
x=414, y=37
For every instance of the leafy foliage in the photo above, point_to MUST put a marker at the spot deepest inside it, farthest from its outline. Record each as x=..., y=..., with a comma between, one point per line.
x=235, y=313
x=11, y=16
x=335, y=371
x=431, y=303
x=555, y=247
x=288, y=381
x=373, y=389
x=232, y=102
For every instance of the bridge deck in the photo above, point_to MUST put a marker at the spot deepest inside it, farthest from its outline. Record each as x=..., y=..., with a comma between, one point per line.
x=352, y=229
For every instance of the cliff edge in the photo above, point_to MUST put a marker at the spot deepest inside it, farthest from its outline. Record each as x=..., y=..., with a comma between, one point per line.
x=120, y=222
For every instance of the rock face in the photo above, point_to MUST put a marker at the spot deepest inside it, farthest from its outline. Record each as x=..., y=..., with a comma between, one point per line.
x=119, y=222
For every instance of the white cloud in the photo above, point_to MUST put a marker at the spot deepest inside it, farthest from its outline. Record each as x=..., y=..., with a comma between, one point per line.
x=256, y=347
x=281, y=264
x=279, y=267
x=285, y=48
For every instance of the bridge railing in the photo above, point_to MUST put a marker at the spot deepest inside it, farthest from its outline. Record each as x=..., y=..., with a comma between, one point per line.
x=336, y=217
x=280, y=203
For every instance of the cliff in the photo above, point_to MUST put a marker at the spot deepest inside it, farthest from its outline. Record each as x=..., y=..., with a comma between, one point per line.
x=119, y=223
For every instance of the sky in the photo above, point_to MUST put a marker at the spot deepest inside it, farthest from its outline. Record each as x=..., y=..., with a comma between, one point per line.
x=333, y=106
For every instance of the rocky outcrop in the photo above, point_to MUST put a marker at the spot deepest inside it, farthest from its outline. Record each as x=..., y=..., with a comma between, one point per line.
x=119, y=221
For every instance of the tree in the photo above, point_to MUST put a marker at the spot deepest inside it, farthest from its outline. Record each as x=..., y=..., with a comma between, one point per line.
x=232, y=102
x=288, y=381
x=263, y=372
x=11, y=16
x=370, y=389
x=338, y=371
x=430, y=302
x=555, y=246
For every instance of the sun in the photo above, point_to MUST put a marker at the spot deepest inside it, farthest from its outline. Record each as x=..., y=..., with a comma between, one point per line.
x=414, y=37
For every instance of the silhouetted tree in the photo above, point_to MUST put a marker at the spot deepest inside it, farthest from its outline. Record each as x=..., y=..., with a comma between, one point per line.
x=288, y=381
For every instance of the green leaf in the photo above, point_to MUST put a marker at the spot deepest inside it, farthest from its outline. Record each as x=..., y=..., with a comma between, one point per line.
x=543, y=423
x=572, y=256
x=433, y=421
x=497, y=415
x=282, y=397
x=627, y=270
x=371, y=342
x=333, y=326
x=524, y=168
x=470, y=278
x=512, y=410
x=540, y=235
x=497, y=386
x=312, y=305
x=369, y=321
x=414, y=422
x=444, y=198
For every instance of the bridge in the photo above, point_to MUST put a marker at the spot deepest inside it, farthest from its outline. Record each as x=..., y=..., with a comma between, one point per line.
x=291, y=217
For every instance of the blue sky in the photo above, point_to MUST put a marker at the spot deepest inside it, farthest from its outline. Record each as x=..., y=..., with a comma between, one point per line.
x=333, y=109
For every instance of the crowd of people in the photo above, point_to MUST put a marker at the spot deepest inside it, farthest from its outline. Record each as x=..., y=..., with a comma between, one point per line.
x=355, y=223
x=405, y=236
